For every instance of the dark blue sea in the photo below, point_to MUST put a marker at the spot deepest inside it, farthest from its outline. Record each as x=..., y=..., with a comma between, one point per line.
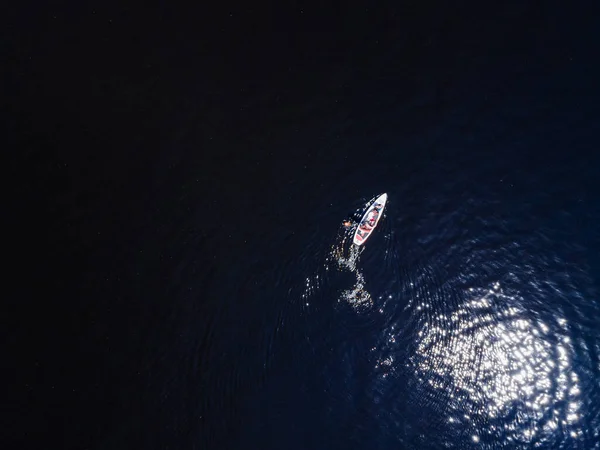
x=192, y=282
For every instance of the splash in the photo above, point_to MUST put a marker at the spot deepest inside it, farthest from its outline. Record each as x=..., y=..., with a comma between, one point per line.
x=357, y=295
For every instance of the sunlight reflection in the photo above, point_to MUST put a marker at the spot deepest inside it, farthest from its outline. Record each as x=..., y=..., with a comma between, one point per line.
x=494, y=361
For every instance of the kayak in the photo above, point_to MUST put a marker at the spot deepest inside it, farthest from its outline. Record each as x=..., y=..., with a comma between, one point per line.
x=370, y=220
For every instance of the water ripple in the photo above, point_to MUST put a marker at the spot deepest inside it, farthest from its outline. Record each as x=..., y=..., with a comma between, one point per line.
x=484, y=345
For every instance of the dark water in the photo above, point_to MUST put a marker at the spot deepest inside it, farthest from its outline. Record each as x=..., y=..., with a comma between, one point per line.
x=194, y=287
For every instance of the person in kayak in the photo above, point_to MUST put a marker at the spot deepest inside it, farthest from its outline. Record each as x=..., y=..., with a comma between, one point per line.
x=369, y=221
x=372, y=217
x=368, y=224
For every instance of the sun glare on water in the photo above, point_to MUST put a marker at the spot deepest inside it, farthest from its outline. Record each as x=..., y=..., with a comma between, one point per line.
x=494, y=362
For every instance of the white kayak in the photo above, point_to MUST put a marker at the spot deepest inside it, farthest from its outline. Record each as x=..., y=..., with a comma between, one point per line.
x=370, y=220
